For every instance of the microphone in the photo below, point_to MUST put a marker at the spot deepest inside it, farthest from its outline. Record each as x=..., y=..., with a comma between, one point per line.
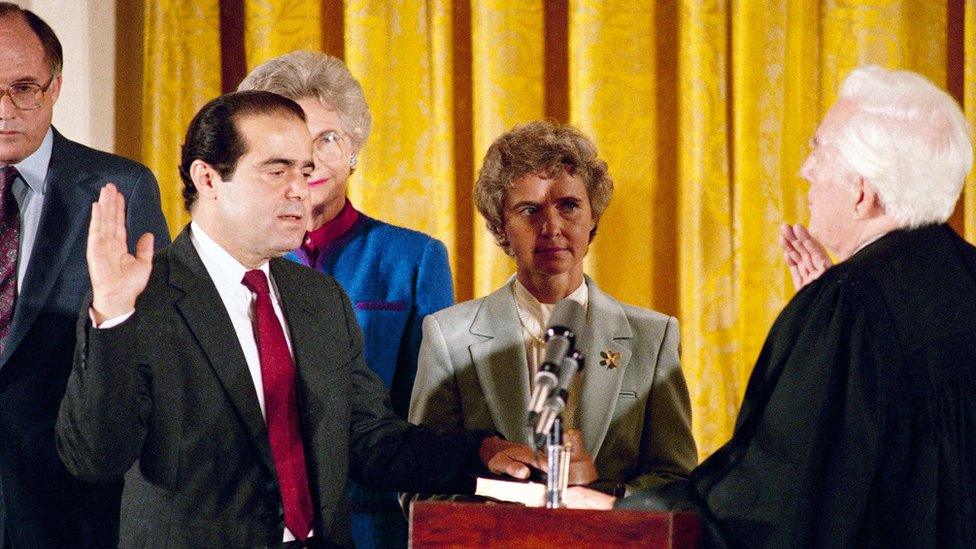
x=556, y=403
x=560, y=342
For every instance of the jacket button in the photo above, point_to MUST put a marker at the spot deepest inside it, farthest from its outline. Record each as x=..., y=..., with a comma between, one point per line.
x=268, y=518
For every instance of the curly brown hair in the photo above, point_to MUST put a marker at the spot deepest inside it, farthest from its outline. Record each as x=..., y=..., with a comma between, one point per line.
x=539, y=147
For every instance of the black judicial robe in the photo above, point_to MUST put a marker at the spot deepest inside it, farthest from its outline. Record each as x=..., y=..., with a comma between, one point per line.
x=858, y=426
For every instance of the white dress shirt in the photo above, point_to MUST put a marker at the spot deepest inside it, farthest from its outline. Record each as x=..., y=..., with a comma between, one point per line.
x=29, y=190
x=536, y=316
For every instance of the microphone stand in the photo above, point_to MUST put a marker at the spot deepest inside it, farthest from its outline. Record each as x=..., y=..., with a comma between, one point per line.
x=557, y=477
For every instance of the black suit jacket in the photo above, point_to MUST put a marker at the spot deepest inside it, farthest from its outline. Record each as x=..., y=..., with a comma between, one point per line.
x=170, y=386
x=43, y=505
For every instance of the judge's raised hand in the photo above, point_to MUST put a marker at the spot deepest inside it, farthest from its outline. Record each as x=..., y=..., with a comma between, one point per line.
x=503, y=457
x=117, y=277
x=804, y=255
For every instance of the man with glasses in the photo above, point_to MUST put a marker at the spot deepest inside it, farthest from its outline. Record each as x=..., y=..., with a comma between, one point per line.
x=47, y=185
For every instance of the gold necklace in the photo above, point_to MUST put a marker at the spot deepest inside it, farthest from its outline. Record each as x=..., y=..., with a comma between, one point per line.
x=518, y=312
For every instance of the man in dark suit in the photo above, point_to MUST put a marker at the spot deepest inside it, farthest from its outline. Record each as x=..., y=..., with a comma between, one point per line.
x=245, y=402
x=858, y=426
x=47, y=184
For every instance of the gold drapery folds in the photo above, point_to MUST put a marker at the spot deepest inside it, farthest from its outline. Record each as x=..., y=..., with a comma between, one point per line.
x=702, y=108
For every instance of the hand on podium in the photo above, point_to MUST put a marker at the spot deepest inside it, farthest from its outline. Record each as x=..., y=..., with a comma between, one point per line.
x=582, y=470
x=578, y=497
x=503, y=457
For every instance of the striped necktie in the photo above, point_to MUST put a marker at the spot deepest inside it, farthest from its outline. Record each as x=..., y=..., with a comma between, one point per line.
x=9, y=249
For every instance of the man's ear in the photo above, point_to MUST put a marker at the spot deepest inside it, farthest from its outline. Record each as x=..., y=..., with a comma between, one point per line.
x=54, y=90
x=868, y=203
x=205, y=178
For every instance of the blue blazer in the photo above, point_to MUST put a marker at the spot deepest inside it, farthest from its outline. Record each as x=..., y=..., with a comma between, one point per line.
x=42, y=504
x=394, y=278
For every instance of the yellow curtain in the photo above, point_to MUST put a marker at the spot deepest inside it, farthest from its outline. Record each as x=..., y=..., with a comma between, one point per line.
x=705, y=259
x=508, y=89
x=406, y=171
x=181, y=48
x=702, y=108
x=272, y=27
x=612, y=87
x=774, y=46
x=969, y=85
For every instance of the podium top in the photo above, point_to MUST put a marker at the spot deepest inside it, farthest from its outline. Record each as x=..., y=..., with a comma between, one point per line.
x=460, y=525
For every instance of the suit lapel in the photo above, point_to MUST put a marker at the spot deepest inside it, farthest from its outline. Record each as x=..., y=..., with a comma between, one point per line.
x=608, y=331
x=70, y=191
x=501, y=364
x=206, y=317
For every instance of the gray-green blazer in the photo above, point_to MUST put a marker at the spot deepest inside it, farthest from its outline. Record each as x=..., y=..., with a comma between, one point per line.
x=636, y=417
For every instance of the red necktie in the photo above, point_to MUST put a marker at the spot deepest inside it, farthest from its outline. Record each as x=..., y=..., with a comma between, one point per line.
x=9, y=249
x=281, y=409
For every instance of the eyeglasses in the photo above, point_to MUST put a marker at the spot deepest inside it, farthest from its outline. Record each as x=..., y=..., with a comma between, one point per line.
x=328, y=146
x=26, y=96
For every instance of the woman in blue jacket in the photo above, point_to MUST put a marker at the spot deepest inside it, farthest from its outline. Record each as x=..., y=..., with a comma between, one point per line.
x=394, y=276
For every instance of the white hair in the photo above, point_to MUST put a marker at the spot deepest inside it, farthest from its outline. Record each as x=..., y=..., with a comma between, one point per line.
x=303, y=73
x=909, y=139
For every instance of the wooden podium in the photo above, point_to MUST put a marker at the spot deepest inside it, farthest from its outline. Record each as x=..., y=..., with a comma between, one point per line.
x=462, y=525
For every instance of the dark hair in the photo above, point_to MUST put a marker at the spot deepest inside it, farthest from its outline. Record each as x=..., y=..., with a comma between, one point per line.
x=213, y=136
x=43, y=31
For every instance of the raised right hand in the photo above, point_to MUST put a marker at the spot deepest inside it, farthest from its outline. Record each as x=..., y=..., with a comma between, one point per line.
x=117, y=277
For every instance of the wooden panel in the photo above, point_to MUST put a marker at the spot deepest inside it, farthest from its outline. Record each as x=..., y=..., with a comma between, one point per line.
x=459, y=525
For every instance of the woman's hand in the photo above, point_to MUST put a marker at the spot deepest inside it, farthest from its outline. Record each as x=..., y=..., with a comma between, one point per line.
x=582, y=470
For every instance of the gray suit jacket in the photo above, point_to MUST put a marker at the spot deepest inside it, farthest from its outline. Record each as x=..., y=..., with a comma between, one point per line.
x=170, y=386
x=635, y=418
x=44, y=505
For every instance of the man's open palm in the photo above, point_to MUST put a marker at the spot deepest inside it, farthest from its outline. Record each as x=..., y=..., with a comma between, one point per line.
x=117, y=277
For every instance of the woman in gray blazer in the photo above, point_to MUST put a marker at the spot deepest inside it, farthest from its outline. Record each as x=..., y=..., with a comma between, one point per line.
x=542, y=190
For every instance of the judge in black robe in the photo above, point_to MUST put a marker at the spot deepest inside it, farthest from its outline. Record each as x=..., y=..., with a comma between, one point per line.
x=858, y=426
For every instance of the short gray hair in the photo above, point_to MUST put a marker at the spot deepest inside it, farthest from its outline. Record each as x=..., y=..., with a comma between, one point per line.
x=908, y=138
x=303, y=73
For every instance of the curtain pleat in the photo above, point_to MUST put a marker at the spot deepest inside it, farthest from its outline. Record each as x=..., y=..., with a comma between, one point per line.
x=612, y=74
x=507, y=83
x=181, y=48
x=969, y=102
x=702, y=108
x=274, y=27
x=706, y=257
x=403, y=58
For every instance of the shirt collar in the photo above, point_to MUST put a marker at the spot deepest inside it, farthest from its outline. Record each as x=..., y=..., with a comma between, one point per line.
x=328, y=233
x=868, y=242
x=538, y=314
x=223, y=268
x=33, y=169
